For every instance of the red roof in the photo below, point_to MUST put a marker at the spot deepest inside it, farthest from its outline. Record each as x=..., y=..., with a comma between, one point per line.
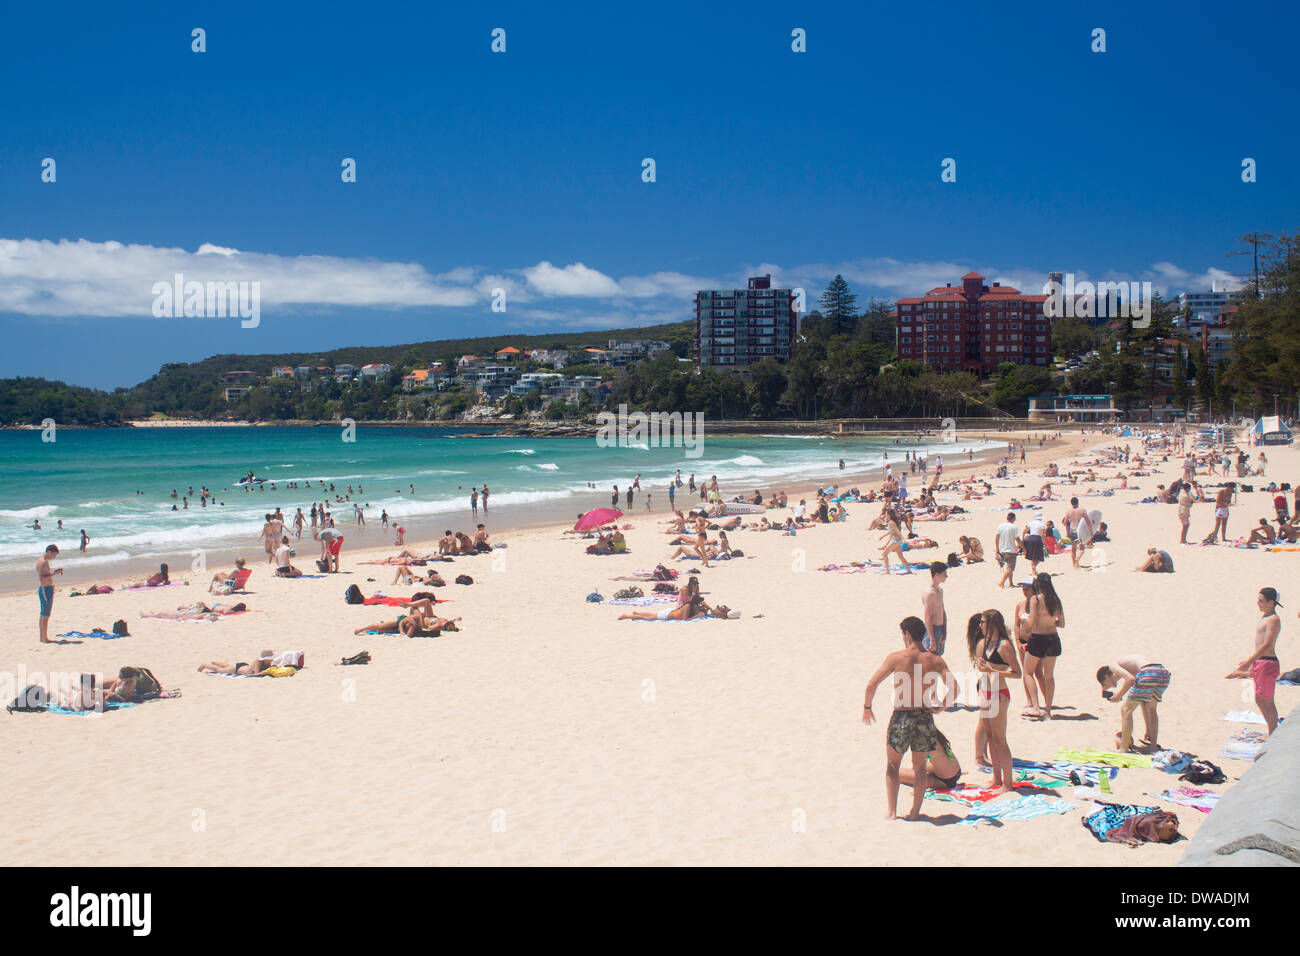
x=972, y=275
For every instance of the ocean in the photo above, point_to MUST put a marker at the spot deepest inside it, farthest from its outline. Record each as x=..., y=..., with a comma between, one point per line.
x=116, y=484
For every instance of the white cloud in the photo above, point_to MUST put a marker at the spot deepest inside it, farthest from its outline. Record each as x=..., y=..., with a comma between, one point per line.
x=84, y=278
x=575, y=280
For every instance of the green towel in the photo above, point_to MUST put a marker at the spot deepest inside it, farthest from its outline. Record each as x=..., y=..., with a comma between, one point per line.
x=1097, y=758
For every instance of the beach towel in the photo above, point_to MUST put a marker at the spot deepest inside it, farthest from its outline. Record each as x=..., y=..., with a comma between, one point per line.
x=1067, y=771
x=1171, y=761
x=1103, y=758
x=1244, y=717
x=1109, y=816
x=649, y=600
x=101, y=635
x=1239, y=750
x=670, y=620
x=1250, y=736
x=1024, y=808
x=1203, y=800
x=108, y=705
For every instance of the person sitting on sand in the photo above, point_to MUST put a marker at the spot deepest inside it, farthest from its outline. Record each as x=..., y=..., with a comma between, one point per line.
x=226, y=579
x=1264, y=534
x=447, y=543
x=602, y=546
x=464, y=543
x=481, y=540
x=283, y=564
x=1157, y=562
x=677, y=525
x=972, y=552
x=698, y=548
x=1132, y=681
x=917, y=676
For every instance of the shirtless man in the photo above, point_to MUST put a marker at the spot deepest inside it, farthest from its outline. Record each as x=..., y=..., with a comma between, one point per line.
x=1222, y=502
x=1079, y=527
x=1135, y=680
x=922, y=685
x=1262, y=666
x=932, y=610
x=45, y=589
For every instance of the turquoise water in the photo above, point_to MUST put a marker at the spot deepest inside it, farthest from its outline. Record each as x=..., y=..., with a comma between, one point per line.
x=89, y=479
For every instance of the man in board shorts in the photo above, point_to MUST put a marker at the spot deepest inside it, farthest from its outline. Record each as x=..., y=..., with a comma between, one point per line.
x=45, y=589
x=1262, y=666
x=1135, y=681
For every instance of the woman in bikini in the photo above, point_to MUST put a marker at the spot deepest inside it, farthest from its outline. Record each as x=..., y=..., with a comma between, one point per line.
x=995, y=661
x=941, y=766
x=1046, y=616
x=894, y=545
x=1020, y=623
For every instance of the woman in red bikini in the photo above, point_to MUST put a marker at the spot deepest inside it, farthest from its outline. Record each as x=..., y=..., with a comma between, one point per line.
x=995, y=659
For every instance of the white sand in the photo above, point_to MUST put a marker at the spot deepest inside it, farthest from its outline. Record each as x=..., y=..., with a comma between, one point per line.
x=547, y=732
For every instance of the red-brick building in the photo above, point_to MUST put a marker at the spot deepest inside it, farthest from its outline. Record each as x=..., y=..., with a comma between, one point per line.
x=974, y=327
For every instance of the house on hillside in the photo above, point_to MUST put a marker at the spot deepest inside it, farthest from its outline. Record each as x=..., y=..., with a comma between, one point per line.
x=508, y=354
x=552, y=357
x=375, y=370
x=345, y=373
x=234, y=393
x=282, y=371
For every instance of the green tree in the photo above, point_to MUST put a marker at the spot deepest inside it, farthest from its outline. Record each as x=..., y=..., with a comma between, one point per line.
x=839, y=307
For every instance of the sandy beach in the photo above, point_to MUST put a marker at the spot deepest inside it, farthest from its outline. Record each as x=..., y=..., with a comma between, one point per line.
x=548, y=732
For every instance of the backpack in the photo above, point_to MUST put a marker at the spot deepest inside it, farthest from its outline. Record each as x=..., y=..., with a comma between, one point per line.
x=737, y=553
x=595, y=597
x=119, y=627
x=953, y=560
x=353, y=595
x=322, y=565
x=663, y=587
x=32, y=700
x=464, y=579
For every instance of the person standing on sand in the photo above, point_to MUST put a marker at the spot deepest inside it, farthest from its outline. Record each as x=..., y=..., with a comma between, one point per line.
x=1046, y=615
x=1079, y=527
x=473, y=502
x=1222, y=502
x=1184, y=511
x=1008, y=548
x=911, y=725
x=45, y=589
x=932, y=610
x=894, y=545
x=1262, y=666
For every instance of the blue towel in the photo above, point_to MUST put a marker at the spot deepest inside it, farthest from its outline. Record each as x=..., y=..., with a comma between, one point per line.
x=1026, y=808
x=103, y=635
x=108, y=705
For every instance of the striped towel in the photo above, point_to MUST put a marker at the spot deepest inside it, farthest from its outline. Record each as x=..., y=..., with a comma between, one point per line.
x=1239, y=750
x=102, y=635
x=1024, y=808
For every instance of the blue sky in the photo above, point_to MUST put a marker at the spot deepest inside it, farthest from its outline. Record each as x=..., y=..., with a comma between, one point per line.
x=522, y=170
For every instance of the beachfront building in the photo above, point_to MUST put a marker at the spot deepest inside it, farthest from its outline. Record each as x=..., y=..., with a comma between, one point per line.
x=626, y=351
x=491, y=381
x=535, y=381
x=556, y=358
x=1203, y=308
x=735, y=328
x=1216, y=337
x=974, y=327
x=1077, y=408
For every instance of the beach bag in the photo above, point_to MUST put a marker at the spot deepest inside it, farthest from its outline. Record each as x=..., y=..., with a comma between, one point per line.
x=119, y=627
x=737, y=553
x=663, y=587
x=32, y=700
x=595, y=597
x=353, y=595
x=464, y=579
x=664, y=574
x=322, y=565
x=279, y=671
x=953, y=560
x=626, y=593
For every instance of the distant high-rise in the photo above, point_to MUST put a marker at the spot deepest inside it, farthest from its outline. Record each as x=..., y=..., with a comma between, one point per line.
x=1204, y=308
x=737, y=327
x=974, y=327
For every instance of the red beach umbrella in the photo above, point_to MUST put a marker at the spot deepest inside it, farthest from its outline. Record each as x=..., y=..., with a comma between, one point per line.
x=596, y=518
